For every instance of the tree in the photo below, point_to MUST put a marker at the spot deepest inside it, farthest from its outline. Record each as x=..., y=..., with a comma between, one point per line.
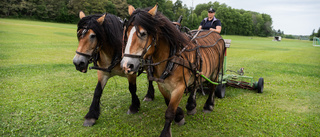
x=234, y=21
x=121, y=8
x=247, y=24
x=176, y=6
x=266, y=28
x=166, y=10
x=313, y=34
x=110, y=8
x=9, y=7
x=225, y=16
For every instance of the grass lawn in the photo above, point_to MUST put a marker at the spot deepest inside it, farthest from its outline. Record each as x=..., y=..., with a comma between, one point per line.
x=42, y=94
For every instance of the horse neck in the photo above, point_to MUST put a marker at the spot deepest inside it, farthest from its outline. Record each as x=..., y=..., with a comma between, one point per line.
x=106, y=55
x=112, y=46
x=161, y=53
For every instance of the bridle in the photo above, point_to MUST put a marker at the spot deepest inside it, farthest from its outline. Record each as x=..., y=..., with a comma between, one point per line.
x=94, y=56
x=145, y=49
x=141, y=57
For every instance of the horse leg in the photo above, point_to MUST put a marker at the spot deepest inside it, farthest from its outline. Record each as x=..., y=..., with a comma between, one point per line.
x=135, y=103
x=173, y=112
x=208, y=106
x=94, y=111
x=191, y=104
x=150, y=93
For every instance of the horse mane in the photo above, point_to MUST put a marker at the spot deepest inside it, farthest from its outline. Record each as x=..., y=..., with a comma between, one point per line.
x=110, y=31
x=158, y=25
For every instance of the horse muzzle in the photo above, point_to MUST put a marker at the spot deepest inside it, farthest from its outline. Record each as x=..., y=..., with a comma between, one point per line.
x=130, y=65
x=81, y=63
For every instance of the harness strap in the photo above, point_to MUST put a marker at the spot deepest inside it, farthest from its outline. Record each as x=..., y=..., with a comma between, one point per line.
x=83, y=54
x=145, y=50
x=179, y=60
x=94, y=58
x=172, y=57
x=106, y=69
x=156, y=79
x=132, y=55
x=176, y=60
x=176, y=23
x=91, y=57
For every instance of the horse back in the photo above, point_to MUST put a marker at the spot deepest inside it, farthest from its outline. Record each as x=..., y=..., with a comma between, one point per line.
x=211, y=52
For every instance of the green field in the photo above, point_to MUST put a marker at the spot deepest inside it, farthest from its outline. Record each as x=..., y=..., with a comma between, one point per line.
x=42, y=94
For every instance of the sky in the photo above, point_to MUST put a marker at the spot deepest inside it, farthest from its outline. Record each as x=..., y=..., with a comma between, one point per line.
x=295, y=17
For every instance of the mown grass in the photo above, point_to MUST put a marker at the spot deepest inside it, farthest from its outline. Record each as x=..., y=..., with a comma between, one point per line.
x=41, y=93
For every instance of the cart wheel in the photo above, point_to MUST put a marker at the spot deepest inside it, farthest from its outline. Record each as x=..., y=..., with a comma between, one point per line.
x=260, y=85
x=220, y=90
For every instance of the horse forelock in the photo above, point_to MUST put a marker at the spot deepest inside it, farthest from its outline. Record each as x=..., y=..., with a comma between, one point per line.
x=109, y=32
x=157, y=26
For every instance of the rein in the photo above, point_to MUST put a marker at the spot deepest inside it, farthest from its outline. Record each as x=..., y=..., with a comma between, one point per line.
x=178, y=59
x=183, y=50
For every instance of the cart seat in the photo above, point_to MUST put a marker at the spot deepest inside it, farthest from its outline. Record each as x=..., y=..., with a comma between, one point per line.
x=227, y=43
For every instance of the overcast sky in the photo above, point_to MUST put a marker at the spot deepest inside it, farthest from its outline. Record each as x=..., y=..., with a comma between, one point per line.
x=297, y=17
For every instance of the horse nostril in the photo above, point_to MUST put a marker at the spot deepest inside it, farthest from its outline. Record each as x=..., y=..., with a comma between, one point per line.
x=81, y=64
x=131, y=66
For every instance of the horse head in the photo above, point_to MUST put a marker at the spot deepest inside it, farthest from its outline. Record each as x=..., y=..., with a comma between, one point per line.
x=140, y=38
x=89, y=45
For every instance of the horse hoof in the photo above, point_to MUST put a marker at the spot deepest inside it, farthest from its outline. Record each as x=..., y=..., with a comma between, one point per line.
x=192, y=112
x=131, y=112
x=147, y=99
x=181, y=122
x=207, y=111
x=89, y=122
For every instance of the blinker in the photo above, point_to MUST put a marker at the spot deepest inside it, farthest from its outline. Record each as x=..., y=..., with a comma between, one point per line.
x=84, y=32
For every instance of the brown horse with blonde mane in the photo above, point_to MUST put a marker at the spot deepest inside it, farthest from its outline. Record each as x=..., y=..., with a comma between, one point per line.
x=177, y=60
x=101, y=42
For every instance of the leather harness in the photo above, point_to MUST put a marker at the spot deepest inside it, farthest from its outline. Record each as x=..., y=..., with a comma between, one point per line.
x=173, y=60
x=94, y=56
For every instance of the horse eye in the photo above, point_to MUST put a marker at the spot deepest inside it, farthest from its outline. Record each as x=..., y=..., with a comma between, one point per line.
x=143, y=34
x=92, y=36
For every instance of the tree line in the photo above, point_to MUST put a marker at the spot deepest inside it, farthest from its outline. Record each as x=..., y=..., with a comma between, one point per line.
x=234, y=21
x=315, y=34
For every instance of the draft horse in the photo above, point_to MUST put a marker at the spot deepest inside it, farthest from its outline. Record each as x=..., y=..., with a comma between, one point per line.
x=101, y=42
x=177, y=60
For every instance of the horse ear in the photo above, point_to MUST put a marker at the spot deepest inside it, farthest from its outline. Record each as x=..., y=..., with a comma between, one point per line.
x=101, y=19
x=131, y=9
x=81, y=14
x=154, y=10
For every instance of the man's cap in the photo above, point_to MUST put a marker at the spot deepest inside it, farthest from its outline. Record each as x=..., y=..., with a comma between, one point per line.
x=211, y=10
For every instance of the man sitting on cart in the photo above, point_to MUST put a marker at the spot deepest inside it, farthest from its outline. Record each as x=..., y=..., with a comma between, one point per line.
x=211, y=22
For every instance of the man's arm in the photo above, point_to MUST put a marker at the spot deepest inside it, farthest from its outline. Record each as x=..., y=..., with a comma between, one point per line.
x=201, y=23
x=218, y=29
